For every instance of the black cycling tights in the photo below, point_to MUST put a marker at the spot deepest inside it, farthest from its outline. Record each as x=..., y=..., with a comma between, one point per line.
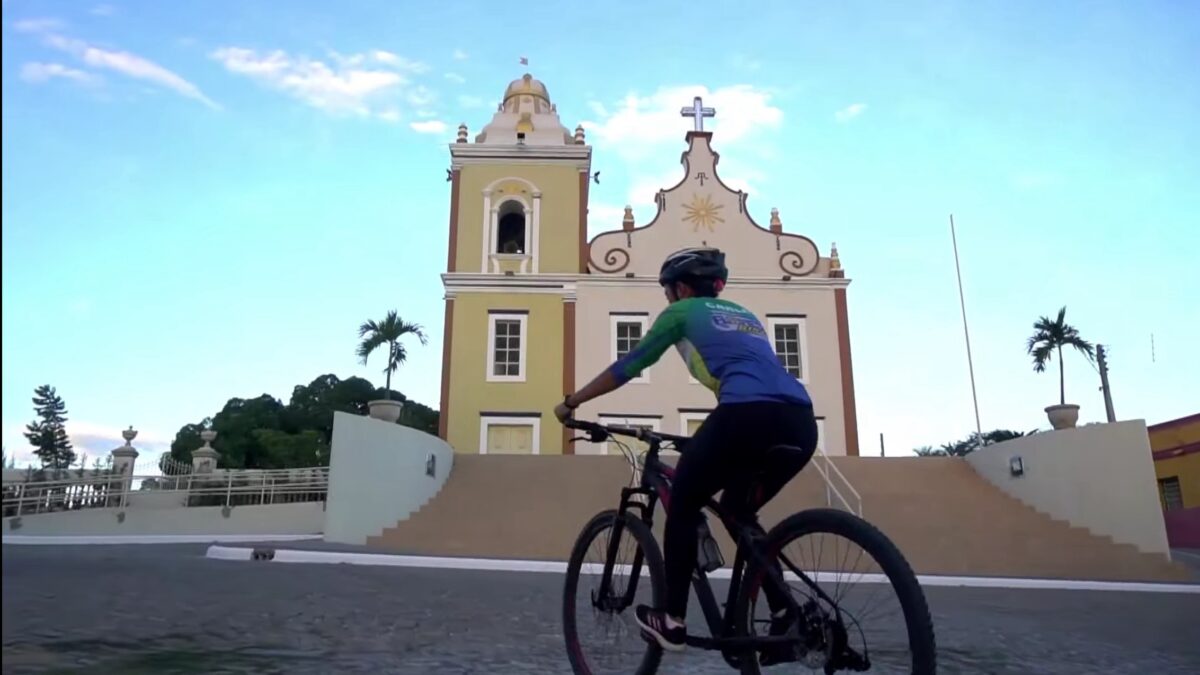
x=727, y=450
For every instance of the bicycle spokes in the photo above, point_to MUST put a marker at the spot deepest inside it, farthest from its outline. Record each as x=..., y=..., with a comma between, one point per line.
x=851, y=618
x=608, y=589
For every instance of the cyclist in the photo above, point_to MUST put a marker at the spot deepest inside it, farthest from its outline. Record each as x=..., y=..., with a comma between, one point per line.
x=759, y=406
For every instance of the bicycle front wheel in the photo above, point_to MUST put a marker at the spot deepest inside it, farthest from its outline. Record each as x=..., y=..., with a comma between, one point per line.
x=591, y=612
x=862, y=606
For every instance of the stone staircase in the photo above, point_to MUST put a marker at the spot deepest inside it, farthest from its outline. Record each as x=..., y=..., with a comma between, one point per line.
x=939, y=511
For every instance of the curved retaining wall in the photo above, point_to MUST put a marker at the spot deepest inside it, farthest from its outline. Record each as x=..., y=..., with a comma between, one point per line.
x=379, y=475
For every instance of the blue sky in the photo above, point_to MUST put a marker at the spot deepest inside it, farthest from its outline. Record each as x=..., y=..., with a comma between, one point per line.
x=204, y=200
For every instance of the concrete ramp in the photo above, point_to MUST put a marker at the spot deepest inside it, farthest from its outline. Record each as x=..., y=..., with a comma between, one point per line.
x=939, y=511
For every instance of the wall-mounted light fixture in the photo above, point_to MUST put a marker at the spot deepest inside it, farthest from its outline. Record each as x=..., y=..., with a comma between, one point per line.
x=1016, y=466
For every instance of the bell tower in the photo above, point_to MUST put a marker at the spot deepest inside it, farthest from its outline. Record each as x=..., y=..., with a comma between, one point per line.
x=519, y=194
x=518, y=237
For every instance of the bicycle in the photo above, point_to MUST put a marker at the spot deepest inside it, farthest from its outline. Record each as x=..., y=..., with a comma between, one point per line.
x=821, y=636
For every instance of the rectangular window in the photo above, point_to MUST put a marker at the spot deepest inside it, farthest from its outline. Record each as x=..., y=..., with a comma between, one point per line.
x=507, y=340
x=501, y=434
x=629, y=334
x=627, y=331
x=791, y=344
x=1172, y=495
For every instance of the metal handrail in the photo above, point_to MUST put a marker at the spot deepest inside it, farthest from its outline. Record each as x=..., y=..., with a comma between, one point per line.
x=114, y=489
x=831, y=490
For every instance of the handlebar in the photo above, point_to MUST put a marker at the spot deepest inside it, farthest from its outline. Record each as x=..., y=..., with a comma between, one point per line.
x=598, y=433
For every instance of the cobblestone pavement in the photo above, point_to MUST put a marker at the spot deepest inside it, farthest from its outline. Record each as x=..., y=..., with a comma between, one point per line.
x=167, y=609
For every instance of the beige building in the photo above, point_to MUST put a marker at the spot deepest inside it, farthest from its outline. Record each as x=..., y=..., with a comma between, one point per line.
x=533, y=310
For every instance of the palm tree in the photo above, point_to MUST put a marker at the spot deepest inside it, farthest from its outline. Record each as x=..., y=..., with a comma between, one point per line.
x=1052, y=336
x=388, y=332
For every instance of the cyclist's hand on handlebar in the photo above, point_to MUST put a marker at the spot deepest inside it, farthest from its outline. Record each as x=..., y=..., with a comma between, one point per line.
x=562, y=412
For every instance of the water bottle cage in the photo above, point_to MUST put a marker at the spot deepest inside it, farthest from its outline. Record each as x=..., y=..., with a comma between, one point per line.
x=708, y=554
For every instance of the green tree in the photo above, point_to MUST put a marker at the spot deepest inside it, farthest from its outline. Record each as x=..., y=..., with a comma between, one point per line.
x=312, y=405
x=388, y=332
x=48, y=434
x=971, y=443
x=283, y=450
x=1051, y=336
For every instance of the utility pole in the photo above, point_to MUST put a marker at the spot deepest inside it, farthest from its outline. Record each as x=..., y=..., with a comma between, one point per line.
x=882, y=453
x=966, y=336
x=1108, y=404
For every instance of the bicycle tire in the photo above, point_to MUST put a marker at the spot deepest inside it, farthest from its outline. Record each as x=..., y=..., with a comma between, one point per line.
x=895, y=566
x=658, y=585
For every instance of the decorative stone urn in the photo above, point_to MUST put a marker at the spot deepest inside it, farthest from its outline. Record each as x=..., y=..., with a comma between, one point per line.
x=1063, y=416
x=385, y=409
x=204, y=458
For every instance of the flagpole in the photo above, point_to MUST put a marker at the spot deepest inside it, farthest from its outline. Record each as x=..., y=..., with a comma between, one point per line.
x=966, y=335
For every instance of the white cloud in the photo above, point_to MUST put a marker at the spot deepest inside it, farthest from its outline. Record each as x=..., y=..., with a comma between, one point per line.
x=421, y=95
x=399, y=62
x=429, y=127
x=390, y=115
x=361, y=84
x=37, y=25
x=850, y=112
x=103, y=10
x=128, y=64
x=466, y=101
x=643, y=125
x=646, y=133
x=42, y=72
x=603, y=217
x=94, y=440
x=460, y=55
x=456, y=78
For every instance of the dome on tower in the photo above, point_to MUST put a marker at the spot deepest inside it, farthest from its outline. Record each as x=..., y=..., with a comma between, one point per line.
x=526, y=116
x=527, y=95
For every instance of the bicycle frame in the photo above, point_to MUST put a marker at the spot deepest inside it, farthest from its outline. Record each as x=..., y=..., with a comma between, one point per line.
x=655, y=486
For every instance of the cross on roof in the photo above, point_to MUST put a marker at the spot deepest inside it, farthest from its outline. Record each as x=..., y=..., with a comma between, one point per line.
x=698, y=112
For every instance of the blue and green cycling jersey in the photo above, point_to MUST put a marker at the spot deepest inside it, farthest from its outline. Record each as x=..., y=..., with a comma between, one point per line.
x=724, y=346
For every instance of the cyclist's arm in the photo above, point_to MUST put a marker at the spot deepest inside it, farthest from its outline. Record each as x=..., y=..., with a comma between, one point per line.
x=666, y=331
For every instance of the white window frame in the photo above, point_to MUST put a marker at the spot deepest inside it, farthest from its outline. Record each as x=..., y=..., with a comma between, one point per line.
x=644, y=320
x=685, y=417
x=522, y=365
x=655, y=424
x=801, y=324
x=821, y=434
x=491, y=223
x=486, y=421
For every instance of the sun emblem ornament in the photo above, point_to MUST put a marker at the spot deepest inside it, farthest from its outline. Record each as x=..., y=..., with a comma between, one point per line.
x=702, y=212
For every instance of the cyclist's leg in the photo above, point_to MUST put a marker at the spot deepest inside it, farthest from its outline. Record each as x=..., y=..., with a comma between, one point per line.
x=702, y=470
x=793, y=426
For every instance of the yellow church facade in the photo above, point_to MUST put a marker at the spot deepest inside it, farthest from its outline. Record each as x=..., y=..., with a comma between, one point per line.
x=534, y=308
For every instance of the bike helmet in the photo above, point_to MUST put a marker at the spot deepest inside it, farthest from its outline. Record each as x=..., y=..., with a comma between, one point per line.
x=695, y=265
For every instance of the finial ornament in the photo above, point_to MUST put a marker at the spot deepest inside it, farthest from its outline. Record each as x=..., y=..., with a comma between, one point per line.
x=835, y=263
x=776, y=223
x=627, y=221
x=580, y=138
x=462, y=133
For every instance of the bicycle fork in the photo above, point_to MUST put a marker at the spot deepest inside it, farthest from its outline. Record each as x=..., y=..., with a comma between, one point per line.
x=602, y=597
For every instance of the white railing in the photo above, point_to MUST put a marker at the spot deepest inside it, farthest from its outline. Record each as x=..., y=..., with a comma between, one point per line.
x=828, y=471
x=113, y=490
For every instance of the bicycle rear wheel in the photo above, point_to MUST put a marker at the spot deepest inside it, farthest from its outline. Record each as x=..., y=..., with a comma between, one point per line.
x=624, y=650
x=838, y=617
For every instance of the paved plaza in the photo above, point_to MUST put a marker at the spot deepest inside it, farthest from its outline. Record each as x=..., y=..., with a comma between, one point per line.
x=168, y=609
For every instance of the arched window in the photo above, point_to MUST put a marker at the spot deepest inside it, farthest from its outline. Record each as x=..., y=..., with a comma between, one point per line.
x=510, y=232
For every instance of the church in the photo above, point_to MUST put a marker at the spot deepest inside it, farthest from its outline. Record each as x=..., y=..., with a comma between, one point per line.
x=534, y=309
